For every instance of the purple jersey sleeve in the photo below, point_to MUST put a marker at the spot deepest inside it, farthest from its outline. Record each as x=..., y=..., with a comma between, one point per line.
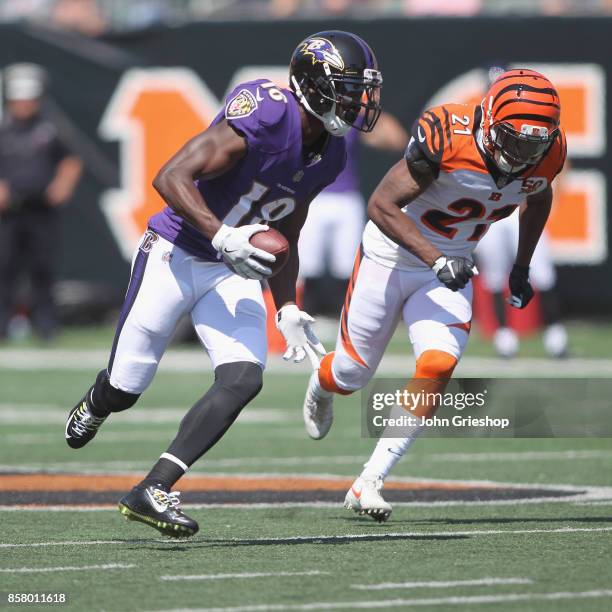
x=259, y=111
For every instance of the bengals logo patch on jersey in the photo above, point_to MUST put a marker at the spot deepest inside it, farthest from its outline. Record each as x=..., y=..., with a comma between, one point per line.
x=241, y=105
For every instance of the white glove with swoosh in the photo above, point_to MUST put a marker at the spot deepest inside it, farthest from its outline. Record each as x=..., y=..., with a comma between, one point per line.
x=239, y=254
x=294, y=324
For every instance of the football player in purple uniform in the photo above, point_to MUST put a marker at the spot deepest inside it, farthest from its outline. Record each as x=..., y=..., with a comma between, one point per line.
x=261, y=161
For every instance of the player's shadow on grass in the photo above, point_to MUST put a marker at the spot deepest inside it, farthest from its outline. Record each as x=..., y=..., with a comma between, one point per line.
x=186, y=545
x=332, y=540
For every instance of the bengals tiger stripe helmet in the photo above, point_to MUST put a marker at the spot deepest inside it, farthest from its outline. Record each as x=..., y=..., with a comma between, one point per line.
x=520, y=119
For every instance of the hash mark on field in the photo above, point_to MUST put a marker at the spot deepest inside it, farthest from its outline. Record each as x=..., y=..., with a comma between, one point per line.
x=36, y=570
x=440, y=584
x=314, y=539
x=243, y=575
x=67, y=543
x=396, y=603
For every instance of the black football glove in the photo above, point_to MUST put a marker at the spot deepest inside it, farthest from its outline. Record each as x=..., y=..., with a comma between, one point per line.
x=454, y=272
x=520, y=287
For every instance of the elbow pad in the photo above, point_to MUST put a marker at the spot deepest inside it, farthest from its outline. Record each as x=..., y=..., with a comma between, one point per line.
x=420, y=166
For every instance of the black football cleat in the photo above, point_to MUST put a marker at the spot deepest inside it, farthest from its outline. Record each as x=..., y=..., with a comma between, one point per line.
x=161, y=510
x=82, y=425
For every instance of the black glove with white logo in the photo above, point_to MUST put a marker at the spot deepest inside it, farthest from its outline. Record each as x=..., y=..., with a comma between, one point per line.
x=520, y=287
x=454, y=272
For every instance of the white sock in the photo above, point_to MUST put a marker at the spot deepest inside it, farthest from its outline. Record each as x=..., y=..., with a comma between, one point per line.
x=318, y=389
x=389, y=450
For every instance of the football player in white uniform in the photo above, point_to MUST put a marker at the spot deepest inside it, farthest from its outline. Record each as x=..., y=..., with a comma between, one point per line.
x=495, y=256
x=464, y=168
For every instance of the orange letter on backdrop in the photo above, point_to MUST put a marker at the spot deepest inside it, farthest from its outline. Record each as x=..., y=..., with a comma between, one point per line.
x=152, y=114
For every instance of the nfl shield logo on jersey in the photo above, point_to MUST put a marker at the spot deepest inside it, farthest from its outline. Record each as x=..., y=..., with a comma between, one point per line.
x=241, y=105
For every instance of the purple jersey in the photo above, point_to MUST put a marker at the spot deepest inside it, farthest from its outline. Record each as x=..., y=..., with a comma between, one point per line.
x=271, y=180
x=348, y=180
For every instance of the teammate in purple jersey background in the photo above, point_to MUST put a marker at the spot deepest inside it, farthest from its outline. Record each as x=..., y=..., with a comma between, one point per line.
x=332, y=232
x=261, y=161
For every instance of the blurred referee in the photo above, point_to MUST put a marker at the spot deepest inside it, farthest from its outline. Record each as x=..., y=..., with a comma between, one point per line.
x=38, y=174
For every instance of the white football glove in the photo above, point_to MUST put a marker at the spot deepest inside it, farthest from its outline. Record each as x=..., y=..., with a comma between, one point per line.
x=294, y=324
x=239, y=254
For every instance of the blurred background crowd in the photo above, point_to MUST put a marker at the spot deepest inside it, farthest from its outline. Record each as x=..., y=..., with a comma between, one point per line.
x=59, y=142
x=93, y=17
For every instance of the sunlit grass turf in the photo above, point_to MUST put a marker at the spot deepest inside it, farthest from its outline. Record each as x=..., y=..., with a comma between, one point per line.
x=573, y=561
x=233, y=541
x=26, y=442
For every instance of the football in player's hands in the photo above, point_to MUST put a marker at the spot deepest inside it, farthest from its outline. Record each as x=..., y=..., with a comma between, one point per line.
x=275, y=243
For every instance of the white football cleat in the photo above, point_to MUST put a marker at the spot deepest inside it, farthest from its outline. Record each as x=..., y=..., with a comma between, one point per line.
x=364, y=498
x=318, y=409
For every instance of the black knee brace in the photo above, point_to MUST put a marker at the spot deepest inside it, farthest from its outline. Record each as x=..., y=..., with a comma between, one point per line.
x=242, y=378
x=106, y=399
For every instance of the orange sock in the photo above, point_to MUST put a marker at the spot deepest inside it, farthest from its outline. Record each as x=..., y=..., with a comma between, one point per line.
x=326, y=377
x=433, y=369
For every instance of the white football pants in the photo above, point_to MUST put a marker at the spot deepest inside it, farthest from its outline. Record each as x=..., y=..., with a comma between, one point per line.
x=496, y=253
x=436, y=318
x=227, y=312
x=332, y=230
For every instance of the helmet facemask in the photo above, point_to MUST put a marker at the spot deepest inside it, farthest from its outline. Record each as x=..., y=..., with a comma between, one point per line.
x=338, y=100
x=514, y=150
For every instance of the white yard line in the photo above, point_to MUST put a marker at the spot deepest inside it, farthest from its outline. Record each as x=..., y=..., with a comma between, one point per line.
x=243, y=575
x=287, y=505
x=468, y=600
x=78, y=568
x=107, y=467
x=196, y=361
x=41, y=414
x=440, y=584
x=66, y=543
x=570, y=455
x=585, y=494
x=581, y=492
x=330, y=538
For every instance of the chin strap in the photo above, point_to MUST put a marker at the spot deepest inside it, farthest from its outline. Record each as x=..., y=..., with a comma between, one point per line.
x=502, y=164
x=332, y=123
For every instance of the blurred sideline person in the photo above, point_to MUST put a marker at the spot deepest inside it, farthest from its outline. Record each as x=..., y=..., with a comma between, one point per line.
x=466, y=166
x=264, y=157
x=335, y=222
x=38, y=175
x=494, y=255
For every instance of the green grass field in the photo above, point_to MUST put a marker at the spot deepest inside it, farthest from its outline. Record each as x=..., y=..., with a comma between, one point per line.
x=586, y=340
x=443, y=548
